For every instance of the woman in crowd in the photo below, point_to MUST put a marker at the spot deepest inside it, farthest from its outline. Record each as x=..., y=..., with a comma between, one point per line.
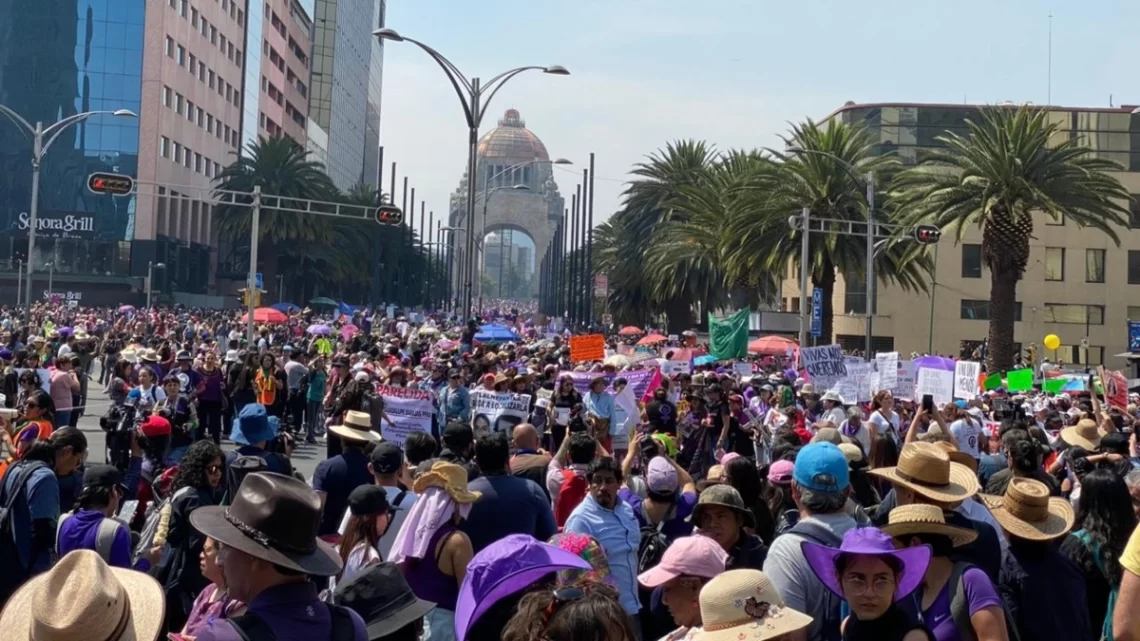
x=120, y=384
x=883, y=415
x=38, y=420
x=29, y=382
x=868, y=573
x=210, y=399
x=213, y=601
x=565, y=397
x=741, y=473
x=744, y=604
x=146, y=395
x=686, y=567
x=370, y=514
x=778, y=496
x=573, y=613
x=265, y=383
x=182, y=414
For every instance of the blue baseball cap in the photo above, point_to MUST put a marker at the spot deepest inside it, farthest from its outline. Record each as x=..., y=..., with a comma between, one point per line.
x=821, y=467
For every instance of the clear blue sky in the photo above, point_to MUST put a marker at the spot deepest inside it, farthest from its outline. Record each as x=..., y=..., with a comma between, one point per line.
x=733, y=72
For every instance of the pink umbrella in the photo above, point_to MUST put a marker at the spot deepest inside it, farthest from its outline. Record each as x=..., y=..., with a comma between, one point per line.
x=348, y=331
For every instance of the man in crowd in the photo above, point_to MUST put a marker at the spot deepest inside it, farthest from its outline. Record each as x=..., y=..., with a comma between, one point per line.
x=509, y=504
x=338, y=476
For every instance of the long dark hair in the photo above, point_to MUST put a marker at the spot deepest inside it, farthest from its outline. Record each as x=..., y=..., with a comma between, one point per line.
x=193, y=469
x=1105, y=513
x=743, y=475
x=360, y=528
x=597, y=615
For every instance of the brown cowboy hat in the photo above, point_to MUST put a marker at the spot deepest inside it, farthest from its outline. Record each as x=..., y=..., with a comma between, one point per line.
x=926, y=468
x=275, y=518
x=501, y=379
x=1026, y=511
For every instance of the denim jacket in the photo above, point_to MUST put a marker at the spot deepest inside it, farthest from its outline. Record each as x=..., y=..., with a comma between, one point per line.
x=455, y=404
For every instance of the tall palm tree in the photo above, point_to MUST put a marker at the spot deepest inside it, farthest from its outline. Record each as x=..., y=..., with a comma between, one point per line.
x=281, y=167
x=1010, y=165
x=761, y=240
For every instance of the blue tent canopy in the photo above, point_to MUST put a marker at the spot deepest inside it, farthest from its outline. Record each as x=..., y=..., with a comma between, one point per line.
x=286, y=308
x=490, y=333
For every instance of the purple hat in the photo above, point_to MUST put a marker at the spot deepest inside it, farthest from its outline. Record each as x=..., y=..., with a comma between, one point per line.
x=507, y=566
x=872, y=542
x=661, y=476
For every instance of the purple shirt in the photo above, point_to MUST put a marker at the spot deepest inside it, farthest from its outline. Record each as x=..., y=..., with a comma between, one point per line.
x=80, y=531
x=292, y=611
x=675, y=527
x=980, y=594
x=205, y=610
x=212, y=392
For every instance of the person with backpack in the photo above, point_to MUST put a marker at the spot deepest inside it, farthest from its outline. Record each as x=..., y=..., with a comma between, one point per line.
x=820, y=487
x=670, y=498
x=93, y=526
x=253, y=432
x=269, y=548
x=566, y=480
x=688, y=564
x=509, y=504
x=1044, y=591
x=957, y=601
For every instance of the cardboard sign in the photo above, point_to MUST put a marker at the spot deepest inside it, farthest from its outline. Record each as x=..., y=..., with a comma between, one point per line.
x=409, y=408
x=904, y=386
x=1020, y=380
x=589, y=347
x=742, y=369
x=1115, y=388
x=497, y=411
x=856, y=385
x=936, y=382
x=887, y=364
x=992, y=382
x=966, y=375
x=825, y=365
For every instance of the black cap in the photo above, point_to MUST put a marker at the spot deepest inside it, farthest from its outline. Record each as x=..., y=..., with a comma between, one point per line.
x=99, y=475
x=368, y=500
x=386, y=458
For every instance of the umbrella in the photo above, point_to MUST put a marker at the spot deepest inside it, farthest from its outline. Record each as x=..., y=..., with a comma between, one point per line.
x=492, y=333
x=286, y=308
x=126, y=309
x=445, y=344
x=934, y=362
x=617, y=360
x=1075, y=385
x=704, y=360
x=319, y=330
x=348, y=331
x=428, y=331
x=630, y=330
x=773, y=345
x=653, y=339
x=324, y=302
x=265, y=315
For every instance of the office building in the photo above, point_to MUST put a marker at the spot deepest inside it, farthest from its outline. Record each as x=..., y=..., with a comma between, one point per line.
x=344, y=128
x=1078, y=285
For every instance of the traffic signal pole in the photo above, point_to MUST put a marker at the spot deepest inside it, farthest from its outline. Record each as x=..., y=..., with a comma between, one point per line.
x=254, y=237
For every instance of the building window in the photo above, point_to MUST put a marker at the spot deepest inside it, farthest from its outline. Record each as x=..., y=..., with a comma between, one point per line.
x=178, y=104
x=1059, y=222
x=1054, y=263
x=980, y=310
x=237, y=57
x=164, y=147
x=1074, y=314
x=230, y=51
x=261, y=119
x=181, y=56
x=1094, y=265
x=1077, y=355
x=209, y=124
x=264, y=83
x=193, y=65
x=971, y=261
x=177, y=153
x=169, y=47
x=166, y=96
x=225, y=5
x=241, y=18
x=1133, y=267
x=1133, y=313
x=855, y=296
x=190, y=111
x=210, y=79
x=203, y=28
x=198, y=163
x=1134, y=212
x=198, y=119
x=222, y=44
x=182, y=8
x=213, y=35
x=186, y=158
x=201, y=72
x=194, y=17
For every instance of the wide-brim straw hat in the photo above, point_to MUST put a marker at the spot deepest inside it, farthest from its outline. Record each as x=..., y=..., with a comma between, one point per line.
x=926, y=469
x=449, y=477
x=357, y=426
x=1084, y=434
x=1026, y=511
x=84, y=598
x=958, y=456
x=920, y=518
x=744, y=604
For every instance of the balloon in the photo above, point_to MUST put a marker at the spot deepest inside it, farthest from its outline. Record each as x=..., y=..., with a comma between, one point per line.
x=1052, y=341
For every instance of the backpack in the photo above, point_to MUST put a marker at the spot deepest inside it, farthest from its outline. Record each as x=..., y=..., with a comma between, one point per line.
x=104, y=537
x=156, y=525
x=251, y=627
x=960, y=606
x=1114, y=591
x=243, y=466
x=570, y=494
x=653, y=543
x=15, y=573
x=817, y=532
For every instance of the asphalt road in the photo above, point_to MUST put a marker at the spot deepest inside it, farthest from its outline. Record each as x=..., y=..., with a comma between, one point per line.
x=305, y=457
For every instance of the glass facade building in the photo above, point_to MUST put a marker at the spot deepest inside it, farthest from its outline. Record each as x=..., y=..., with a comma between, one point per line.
x=59, y=58
x=251, y=100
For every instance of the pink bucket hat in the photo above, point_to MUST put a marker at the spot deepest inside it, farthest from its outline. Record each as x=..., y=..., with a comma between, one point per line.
x=698, y=556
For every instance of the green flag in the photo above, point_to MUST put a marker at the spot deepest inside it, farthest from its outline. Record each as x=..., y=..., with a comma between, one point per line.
x=992, y=382
x=728, y=338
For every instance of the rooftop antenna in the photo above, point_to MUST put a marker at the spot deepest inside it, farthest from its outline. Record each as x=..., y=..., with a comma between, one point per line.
x=1049, y=91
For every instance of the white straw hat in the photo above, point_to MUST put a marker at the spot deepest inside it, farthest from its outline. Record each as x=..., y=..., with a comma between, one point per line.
x=744, y=604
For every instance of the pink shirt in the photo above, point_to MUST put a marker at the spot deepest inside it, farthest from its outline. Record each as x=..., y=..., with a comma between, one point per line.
x=62, y=385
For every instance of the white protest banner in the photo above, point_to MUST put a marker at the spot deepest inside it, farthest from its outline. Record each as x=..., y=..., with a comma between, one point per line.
x=410, y=409
x=966, y=375
x=825, y=365
x=625, y=417
x=904, y=384
x=856, y=385
x=673, y=368
x=887, y=364
x=939, y=383
x=497, y=411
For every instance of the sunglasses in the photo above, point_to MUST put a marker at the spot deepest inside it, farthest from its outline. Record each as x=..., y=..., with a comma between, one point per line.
x=214, y=469
x=559, y=598
x=31, y=406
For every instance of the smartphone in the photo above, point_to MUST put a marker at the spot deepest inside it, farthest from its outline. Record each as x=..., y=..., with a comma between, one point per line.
x=928, y=403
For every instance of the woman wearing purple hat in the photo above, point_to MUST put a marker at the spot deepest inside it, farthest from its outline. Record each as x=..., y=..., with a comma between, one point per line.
x=869, y=574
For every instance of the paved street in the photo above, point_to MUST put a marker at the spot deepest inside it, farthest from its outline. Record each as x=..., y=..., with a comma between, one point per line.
x=305, y=458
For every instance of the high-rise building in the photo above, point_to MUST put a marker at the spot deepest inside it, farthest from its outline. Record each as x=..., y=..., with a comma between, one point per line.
x=344, y=129
x=279, y=86
x=1078, y=284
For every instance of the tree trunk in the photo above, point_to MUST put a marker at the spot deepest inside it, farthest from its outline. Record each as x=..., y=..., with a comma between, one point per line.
x=825, y=280
x=680, y=315
x=1003, y=297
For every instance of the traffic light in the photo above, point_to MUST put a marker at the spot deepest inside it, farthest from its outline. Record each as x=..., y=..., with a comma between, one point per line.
x=244, y=297
x=113, y=184
x=927, y=234
x=389, y=215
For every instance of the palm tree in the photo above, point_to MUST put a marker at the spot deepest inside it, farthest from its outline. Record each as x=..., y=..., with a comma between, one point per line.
x=762, y=242
x=281, y=167
x=1011, y=164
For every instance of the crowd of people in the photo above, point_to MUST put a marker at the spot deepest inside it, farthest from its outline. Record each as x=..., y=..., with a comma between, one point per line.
x=735, y=502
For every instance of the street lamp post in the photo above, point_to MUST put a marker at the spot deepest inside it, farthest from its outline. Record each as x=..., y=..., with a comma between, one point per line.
x=150, y=267
x=39, y=148
x=51, y=276
x=475, y=98
x=19, y=281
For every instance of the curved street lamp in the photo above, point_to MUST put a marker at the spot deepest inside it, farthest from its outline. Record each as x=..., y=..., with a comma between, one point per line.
x=475, y=97
x=39, y=148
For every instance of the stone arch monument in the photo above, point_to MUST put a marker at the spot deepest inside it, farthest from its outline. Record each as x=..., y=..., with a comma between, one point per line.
x=515, y=183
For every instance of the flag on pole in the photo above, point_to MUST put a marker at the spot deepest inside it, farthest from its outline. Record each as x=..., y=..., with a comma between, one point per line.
x=728, y=338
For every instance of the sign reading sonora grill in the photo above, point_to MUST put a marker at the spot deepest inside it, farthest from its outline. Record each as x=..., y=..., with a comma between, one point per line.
x=58, y=224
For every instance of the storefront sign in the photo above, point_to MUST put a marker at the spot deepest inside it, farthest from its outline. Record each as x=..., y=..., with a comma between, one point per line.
x=59, y=224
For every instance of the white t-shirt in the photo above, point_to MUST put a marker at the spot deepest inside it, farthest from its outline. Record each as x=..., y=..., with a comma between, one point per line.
x=361, y=556
x=64, y=350
x=403, y=507
x=969, y=435
x=836, y=415
x=862, y=435
x=885, y=425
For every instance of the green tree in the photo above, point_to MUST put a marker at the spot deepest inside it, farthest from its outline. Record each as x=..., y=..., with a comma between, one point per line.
x=1011, y=165
x=760, y=240
x=281, y=167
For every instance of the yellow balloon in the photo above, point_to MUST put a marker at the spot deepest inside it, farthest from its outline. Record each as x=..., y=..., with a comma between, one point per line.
x=1052, y=341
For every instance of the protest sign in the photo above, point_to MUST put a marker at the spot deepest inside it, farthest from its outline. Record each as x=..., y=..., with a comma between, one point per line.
x=626, y=416
x=742, y=369
x=588, y=347
x=992, y=382
x=672, y=368
x=825, y=365
x=966, y=375
x=936, y=382
x=1019, y=380
x=409, y=408
x=1115, y=388
x=855, y=386
x=497, y=411
x=1051, y=385
x=640, y=381
x=887, y=364
x=904, y=386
